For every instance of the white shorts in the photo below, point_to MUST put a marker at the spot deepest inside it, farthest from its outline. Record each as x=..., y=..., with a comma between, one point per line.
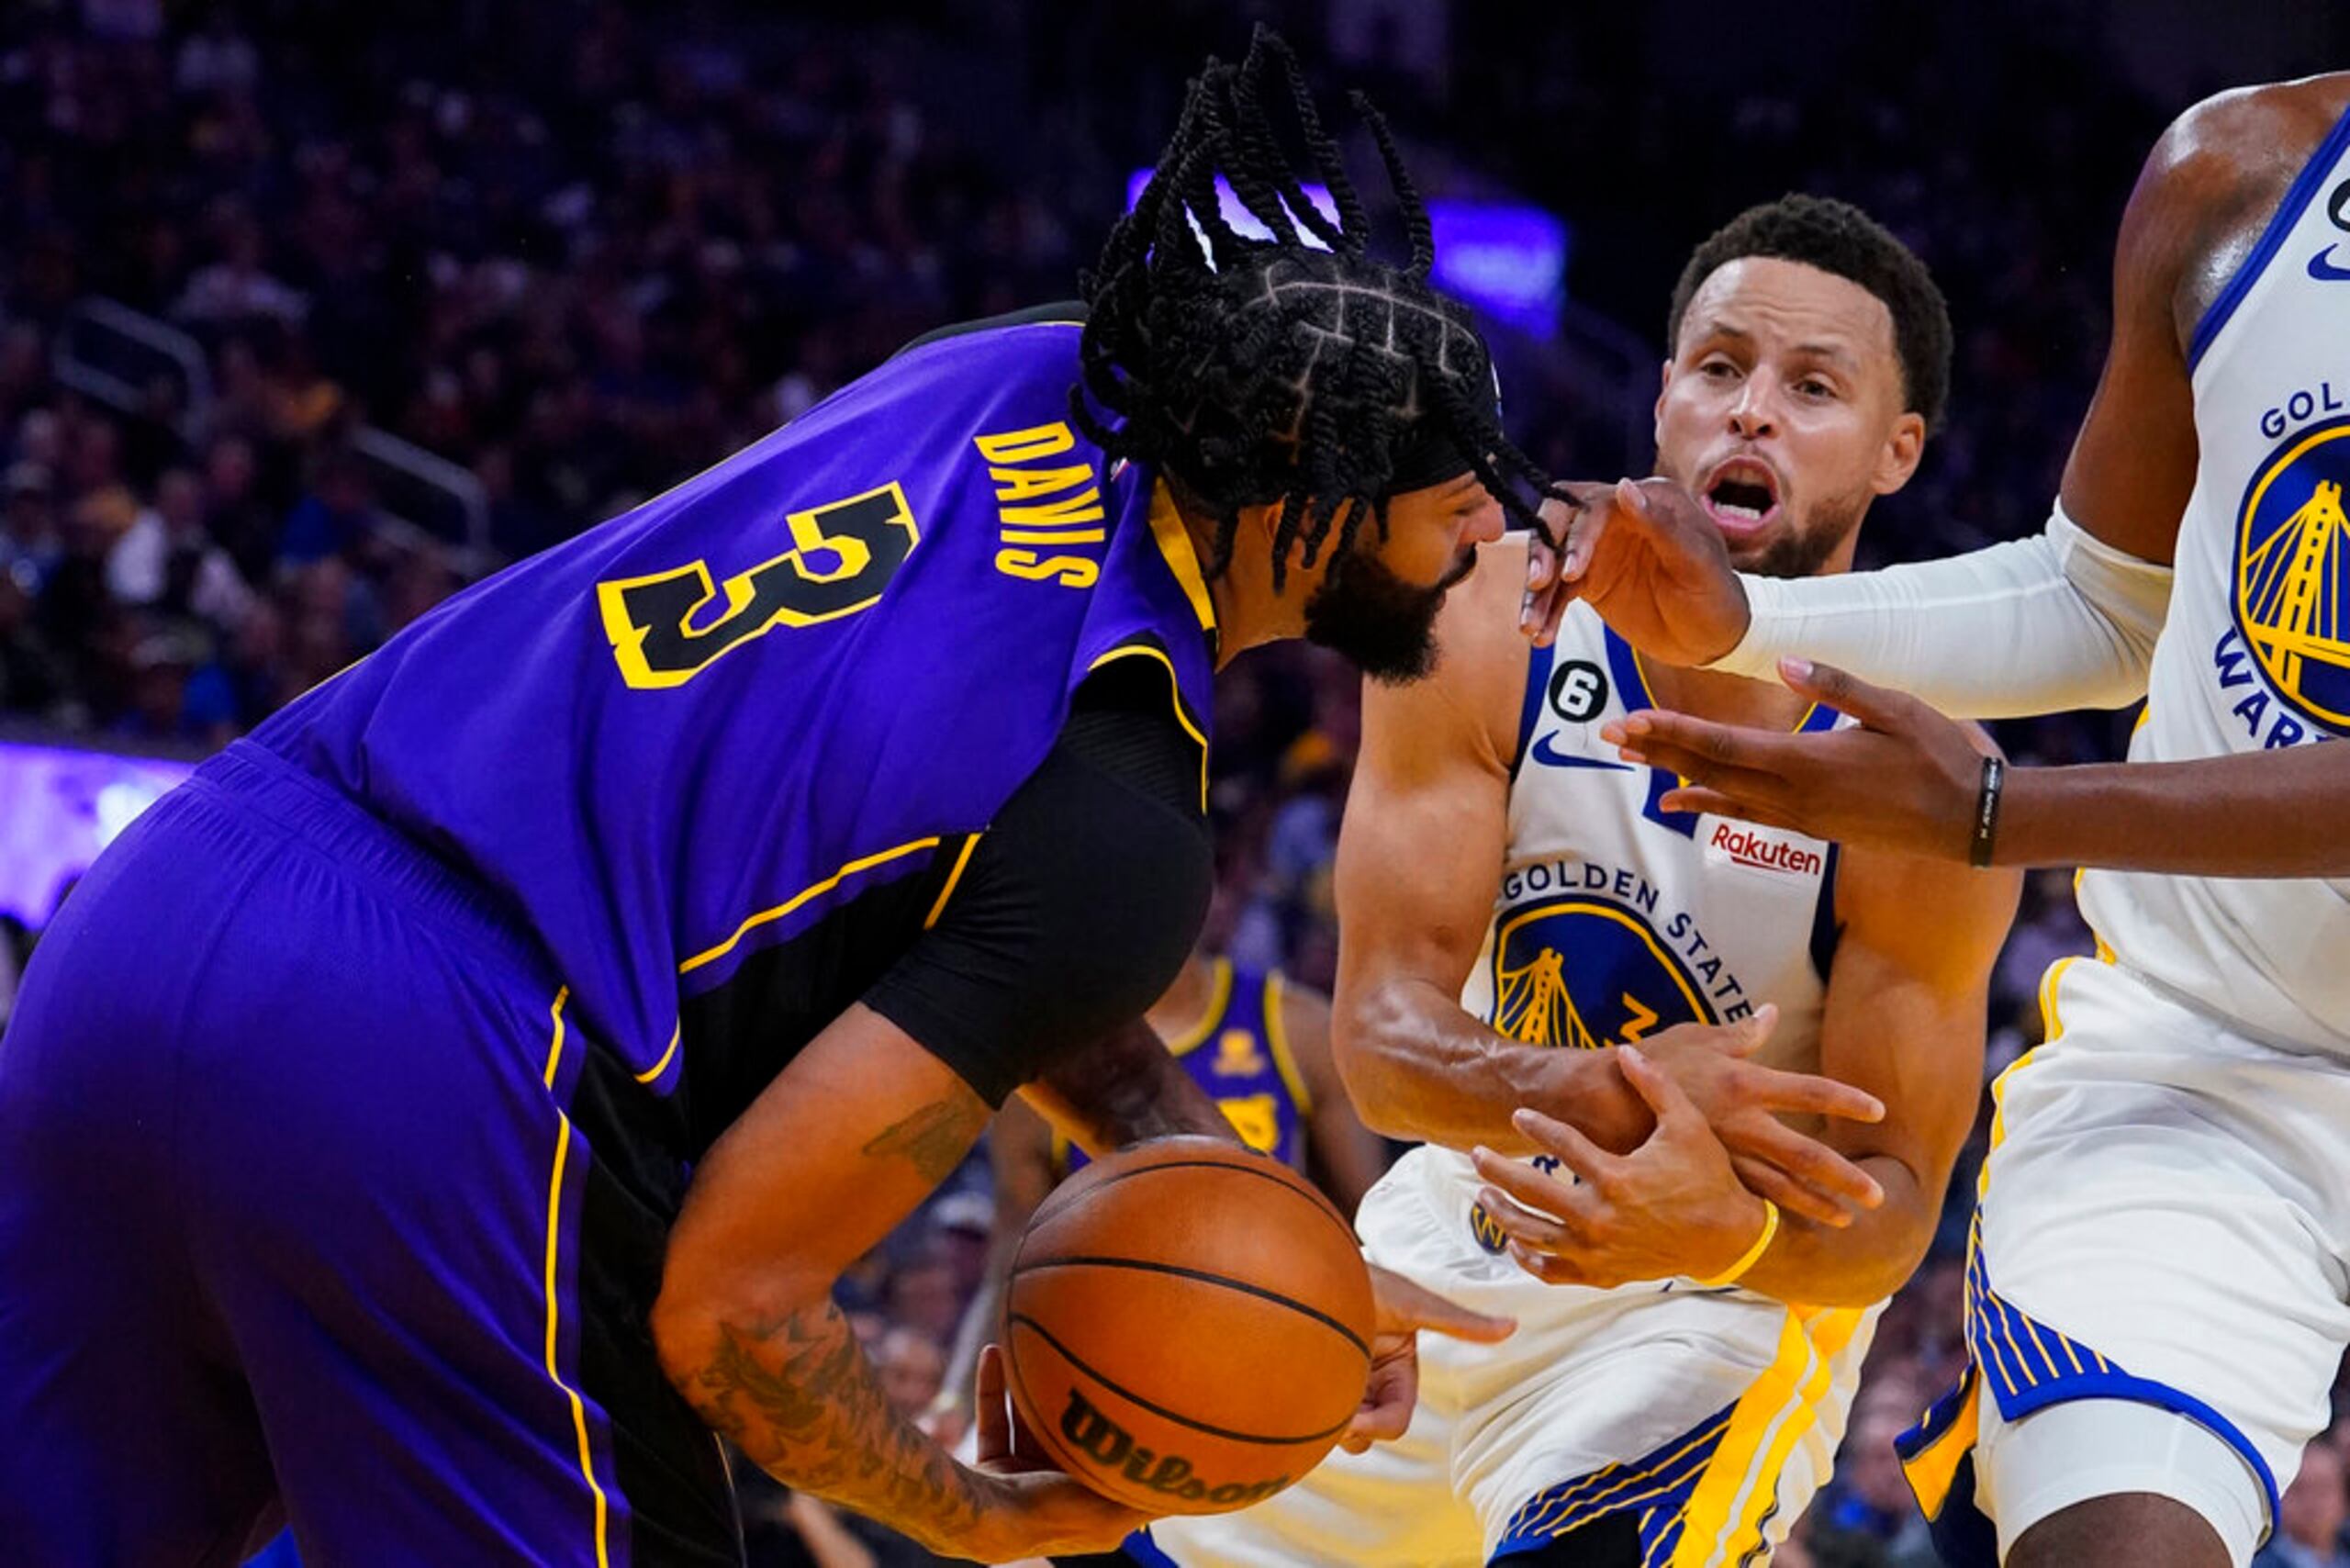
x=2165, y=1222
x=1704, y=1420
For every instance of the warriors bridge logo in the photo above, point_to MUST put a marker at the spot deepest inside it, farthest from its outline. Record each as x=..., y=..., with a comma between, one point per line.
x=1583, y=972
x=2292, y=598
x=1586, y=972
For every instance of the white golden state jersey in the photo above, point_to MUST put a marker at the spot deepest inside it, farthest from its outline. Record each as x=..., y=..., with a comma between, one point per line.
x=1614, y=919
x=2256, y=653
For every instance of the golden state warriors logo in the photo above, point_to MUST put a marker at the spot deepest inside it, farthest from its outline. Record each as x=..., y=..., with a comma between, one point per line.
x=2292, y=599
x=1587, y=973
x=1583, y=972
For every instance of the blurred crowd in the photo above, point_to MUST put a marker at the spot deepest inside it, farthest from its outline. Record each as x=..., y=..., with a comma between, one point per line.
x=582, y=249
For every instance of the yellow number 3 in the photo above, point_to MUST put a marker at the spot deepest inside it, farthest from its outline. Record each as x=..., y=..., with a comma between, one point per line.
x=858, y=545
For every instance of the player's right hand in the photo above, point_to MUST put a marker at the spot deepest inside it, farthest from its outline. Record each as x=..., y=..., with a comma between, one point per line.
x=1743, y=1100
x=1031, y=1510
x=1646, y=556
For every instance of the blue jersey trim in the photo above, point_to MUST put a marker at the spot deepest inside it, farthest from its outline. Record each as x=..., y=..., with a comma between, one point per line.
x=2086, y=1373
x=2118, y=1385
x=1625, y=665
x=1529, y=713
x=2272, y=240
x=1140, y=1548
x=1826, y=930
x=1659, y=1484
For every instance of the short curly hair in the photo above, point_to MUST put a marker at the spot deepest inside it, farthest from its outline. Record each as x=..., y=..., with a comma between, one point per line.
x=1839, y=238
x=1296, y=369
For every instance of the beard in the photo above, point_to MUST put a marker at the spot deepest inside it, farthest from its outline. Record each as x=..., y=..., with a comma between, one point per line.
x=1801, y=551
x=1383, y=625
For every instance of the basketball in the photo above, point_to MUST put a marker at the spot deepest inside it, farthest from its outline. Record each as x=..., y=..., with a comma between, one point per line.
x=1188, y=1327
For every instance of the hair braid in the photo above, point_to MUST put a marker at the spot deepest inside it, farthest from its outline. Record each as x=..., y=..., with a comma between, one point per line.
x=1252, y=372
x=1407, y=195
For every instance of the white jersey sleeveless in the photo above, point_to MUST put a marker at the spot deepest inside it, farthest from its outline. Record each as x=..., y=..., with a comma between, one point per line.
x=1615, y=920
x=2256, y=653
x=1718, y=1410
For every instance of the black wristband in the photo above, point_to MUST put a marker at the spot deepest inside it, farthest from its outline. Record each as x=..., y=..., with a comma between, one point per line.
x=1986, y=811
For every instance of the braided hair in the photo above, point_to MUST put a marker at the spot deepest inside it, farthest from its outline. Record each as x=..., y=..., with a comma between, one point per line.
x=1295, y=369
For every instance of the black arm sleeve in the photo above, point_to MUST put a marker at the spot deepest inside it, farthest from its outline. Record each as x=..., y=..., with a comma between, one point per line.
x=1080, y=904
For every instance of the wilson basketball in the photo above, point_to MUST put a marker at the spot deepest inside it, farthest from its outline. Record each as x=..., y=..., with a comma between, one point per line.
x=1188, y=1327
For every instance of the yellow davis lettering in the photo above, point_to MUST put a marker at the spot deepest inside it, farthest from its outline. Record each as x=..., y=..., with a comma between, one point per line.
x=1043, y=507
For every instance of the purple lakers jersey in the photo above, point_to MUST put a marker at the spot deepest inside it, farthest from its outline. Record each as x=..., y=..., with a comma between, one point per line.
x=1237, y=1053
x=724, y=754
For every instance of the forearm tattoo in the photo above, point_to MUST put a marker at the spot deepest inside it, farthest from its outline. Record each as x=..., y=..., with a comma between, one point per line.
x=794, y=1391
x=796, y=1394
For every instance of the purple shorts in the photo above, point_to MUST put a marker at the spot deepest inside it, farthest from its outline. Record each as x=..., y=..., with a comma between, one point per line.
x=314, y=1210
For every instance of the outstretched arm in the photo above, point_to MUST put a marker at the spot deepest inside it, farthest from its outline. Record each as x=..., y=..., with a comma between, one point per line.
x=1911, y=781
x=2064, y=619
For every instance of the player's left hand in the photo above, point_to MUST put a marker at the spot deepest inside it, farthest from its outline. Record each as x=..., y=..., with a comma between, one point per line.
x=1403, y=1309
x=1903, y=780
x=1672, y=1206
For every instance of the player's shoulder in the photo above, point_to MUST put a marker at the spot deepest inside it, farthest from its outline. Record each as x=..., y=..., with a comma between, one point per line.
x=1477, y=634
x=2255, y=124
x=1065, y=314
x=2240, y=149
x=1480, y=672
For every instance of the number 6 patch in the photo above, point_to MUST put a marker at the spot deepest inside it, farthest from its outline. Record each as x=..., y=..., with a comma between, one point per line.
x=1578, y=691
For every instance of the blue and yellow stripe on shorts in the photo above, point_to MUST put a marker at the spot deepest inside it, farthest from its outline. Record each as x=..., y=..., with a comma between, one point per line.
x=2026, y=1365
x=1708, y=1496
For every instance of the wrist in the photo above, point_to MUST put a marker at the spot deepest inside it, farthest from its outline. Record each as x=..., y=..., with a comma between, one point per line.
x=2031, y=827
x=1760, y=1223
x=1751, y=650
x=991, y=1534
x=1580, y=1088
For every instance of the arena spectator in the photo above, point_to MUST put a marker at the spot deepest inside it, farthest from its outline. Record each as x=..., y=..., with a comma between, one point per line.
x=581, y=250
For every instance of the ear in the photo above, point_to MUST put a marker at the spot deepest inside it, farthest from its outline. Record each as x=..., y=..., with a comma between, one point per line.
x=1903, y=447
x=1258, y=524
x=1663, y=390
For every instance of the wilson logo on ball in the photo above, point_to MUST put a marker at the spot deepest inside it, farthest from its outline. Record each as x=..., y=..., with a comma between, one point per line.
x=1094, y=1435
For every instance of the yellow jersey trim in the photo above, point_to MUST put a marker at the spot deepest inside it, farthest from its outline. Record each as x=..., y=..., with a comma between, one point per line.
x=555, y=1311
x=1175, y=694
x=953, y=879
x=555, y=1050
x=650, y=1073
x=1219, y=1002
x=862, y=863
x=1277, y=1036
x=1934, y=1468
x=1175, y=543
x=1732, y=1507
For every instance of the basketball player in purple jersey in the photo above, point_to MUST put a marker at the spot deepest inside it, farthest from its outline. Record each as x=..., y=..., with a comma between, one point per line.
x=433, y=1121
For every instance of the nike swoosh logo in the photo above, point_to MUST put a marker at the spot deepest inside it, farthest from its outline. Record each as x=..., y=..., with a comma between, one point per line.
x=2323, y=269
x=1549, y=758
